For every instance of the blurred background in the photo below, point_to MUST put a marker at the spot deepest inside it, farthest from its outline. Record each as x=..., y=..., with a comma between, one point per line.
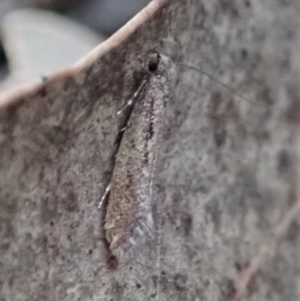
x=40, y=36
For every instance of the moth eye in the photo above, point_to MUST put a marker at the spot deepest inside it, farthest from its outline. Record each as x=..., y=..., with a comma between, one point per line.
x=153, y=62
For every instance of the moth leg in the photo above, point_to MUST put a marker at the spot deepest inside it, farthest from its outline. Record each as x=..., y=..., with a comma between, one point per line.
x=104, y=196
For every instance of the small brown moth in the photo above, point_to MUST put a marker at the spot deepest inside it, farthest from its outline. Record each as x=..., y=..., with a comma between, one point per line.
x=129, y=217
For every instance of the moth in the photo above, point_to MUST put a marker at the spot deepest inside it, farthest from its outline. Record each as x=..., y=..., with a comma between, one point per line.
x=129, y=218
x=129, y=214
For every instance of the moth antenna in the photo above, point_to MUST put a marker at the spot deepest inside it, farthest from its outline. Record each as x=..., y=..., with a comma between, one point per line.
x=219, y=82
x=173, y=41
x=226, y=86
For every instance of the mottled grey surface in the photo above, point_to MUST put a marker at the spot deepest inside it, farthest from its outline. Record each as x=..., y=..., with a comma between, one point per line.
x=227, y=172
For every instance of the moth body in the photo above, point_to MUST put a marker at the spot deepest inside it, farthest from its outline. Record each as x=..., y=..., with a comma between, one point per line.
x=129, y=218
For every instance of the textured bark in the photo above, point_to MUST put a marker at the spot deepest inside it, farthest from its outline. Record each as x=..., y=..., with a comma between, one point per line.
x=226, y=189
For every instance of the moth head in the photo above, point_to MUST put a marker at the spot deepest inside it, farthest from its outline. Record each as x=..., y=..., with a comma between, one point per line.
x=159, y=64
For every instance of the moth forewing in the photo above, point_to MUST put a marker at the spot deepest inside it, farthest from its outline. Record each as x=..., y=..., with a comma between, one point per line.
x=129, y=221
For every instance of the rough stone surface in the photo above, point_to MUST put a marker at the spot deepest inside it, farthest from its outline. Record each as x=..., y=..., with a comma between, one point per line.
x=227, y=181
